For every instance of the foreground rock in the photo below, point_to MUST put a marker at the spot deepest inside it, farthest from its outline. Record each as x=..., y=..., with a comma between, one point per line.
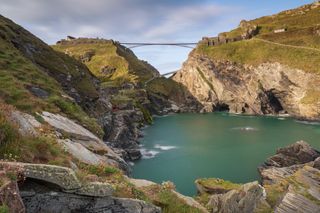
x=293, y=175
x=245, y=199
x=297, y=153
x=53, y=189
x=82, y=143
x=291, y=183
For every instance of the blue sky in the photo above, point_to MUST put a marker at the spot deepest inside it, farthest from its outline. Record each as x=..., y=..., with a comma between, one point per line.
x=140, y=21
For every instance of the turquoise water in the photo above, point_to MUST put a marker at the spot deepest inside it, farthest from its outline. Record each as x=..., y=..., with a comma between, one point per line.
x=184, y=147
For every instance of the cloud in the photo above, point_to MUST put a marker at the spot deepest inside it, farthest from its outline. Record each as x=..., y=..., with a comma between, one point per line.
x=182, y=19
x=118, y=19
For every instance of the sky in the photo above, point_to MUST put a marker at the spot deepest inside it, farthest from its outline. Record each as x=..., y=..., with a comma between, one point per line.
x=140, y=21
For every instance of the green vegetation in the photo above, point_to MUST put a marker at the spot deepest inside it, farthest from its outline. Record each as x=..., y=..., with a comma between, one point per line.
x=167, y=89
x=205, y=79
x=302, y=30
x=146, y=114
x=42, y=149
x=19, y=72
x=275, y=192
x=100, y=170
x=109, y=61
x=217, y=183
x=4, y=209
x=255, y=52
x=170, y=203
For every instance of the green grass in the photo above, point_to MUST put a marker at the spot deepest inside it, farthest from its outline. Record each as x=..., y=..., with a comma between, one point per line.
x=218, y=183
x=167, y=89
x=4, y=209
x=127, y=67
x=170, y=203
x=18, y=73
x=100, y=170
x=301, y=23
x=40, y=149
x=255, y=52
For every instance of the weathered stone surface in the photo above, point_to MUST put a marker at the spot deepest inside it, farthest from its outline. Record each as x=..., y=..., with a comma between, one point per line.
x=287, y=161
x=122, y=131
x=41, y=93
x=61, y=176
x=27, y=123
x=245, y=199
x=297, y=153
x=269, y=88
x=316, y=163
x=136, y=206
x=293, y=168
x=65, y=125
x=81, y=153
x=96, y=189
x=57, y=202
x=83, y=144
x=293, y=202
x=275, y=174
x=190, y=202
x=140, y=183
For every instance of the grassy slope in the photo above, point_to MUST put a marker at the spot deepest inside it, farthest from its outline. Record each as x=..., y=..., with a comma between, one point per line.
x=302, y=24
x=20, y=69
x=106, y=53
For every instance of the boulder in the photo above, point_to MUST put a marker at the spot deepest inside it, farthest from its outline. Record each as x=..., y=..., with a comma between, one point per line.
x=96, y=189
x=57, y=202
x=297, y=153
x=65, y=125
x=316, y=163
x=63, y=177
x=141, y=183
x=39, y=92
x=245, y=199
x=275, y=174
x=83, y=144
x=26, y=123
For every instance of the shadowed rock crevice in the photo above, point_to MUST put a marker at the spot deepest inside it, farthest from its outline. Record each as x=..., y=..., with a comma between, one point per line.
x=221, y=107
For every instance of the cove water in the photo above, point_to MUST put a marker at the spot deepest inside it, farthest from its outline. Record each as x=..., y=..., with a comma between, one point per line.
x=183, y=147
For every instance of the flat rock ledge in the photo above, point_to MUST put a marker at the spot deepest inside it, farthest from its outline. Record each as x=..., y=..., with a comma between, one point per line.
x=55, y=189
x=61, y=176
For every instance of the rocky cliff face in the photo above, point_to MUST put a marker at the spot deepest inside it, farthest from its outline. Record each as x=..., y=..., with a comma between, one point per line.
x=270, y=88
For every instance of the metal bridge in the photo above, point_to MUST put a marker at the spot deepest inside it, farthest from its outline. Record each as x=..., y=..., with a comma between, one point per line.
x=132, y=45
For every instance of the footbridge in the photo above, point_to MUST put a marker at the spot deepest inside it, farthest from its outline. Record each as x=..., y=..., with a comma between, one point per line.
x=162, y=75
x=132, y=45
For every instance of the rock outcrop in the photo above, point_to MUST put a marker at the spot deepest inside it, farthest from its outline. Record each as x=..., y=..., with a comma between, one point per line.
x=290, y=183
x=83, y=144
x=287, y=161
x=48, y=188
x=245, y=199
x=270, y=88
x=297, y=153
x=294, y=170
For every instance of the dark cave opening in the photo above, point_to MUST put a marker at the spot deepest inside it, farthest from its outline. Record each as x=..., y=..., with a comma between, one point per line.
x=270, y=102
x=221, y=107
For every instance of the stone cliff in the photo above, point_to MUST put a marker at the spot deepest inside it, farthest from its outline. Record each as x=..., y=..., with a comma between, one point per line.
x=270, y=88
x=270, y=72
